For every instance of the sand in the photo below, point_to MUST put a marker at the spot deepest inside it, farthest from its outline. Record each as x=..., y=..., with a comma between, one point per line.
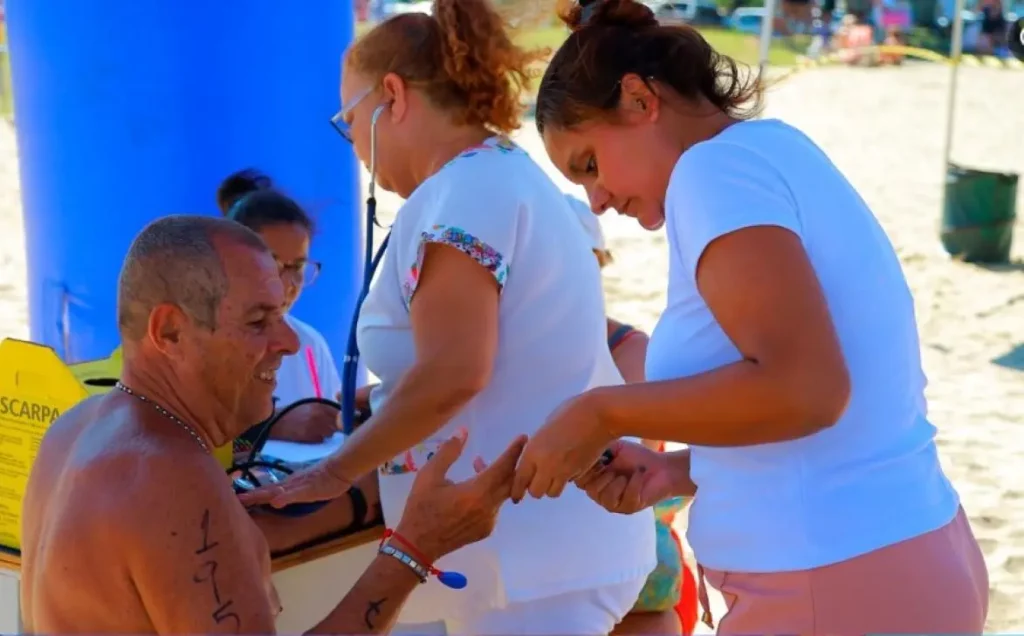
x=971, y=318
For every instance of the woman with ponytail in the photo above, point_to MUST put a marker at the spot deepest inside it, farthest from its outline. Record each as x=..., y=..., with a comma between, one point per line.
x=485, y=313
x=787, y=357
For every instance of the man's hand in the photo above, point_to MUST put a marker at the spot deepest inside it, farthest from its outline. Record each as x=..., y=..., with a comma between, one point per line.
x=363, y=398
x=362, y=404
x=440, y=516
x=310, y=424
x=636, y=478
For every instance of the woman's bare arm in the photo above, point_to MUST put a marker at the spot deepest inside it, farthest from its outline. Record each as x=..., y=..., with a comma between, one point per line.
x=284, y=532
x=454, y=316
x=792, y=381
x=630, y=353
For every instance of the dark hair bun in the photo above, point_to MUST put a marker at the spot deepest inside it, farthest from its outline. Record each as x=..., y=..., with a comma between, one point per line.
x=627, y=14
x=240, y=184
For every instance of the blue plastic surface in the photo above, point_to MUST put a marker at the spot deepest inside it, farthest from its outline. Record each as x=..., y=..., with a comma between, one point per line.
x=131, y=110
x=454, y=580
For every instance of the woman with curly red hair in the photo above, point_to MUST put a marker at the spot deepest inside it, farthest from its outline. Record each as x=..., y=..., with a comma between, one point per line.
x=486, y=312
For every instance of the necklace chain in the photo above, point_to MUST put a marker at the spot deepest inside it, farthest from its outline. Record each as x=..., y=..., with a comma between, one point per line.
x=162, y=411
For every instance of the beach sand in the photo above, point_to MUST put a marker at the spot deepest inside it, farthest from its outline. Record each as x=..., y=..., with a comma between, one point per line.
x=971, y=318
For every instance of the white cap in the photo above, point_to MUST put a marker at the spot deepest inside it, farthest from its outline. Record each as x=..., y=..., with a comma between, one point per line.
x=591, y=224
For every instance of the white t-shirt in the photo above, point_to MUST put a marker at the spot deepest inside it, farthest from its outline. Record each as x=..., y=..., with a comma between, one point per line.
x=871, y=480
x=495, y=204
x=295, y=377
x=591, y=222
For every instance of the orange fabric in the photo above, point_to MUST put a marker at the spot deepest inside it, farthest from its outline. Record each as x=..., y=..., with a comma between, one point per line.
x=686, y=609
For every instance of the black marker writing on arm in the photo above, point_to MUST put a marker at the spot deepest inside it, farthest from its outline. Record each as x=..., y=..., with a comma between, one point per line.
x=372, y=612
x=206, y=573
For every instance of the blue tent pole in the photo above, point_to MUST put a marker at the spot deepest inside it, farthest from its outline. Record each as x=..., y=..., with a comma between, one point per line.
x=131, y=110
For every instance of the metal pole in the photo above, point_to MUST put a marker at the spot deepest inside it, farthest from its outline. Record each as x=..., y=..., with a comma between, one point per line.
x=955, y=51
x=767, y=29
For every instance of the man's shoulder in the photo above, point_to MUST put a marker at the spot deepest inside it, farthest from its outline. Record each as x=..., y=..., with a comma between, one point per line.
x=174, y=481
x=132, y=477
x=113, y=488
x=172, y=498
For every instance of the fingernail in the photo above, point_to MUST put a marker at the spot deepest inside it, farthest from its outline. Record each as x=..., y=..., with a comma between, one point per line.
x=462, y=433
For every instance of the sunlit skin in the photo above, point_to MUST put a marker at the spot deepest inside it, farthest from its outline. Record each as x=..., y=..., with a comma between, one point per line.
x=289, y=242
x=625, y=163
x=792, y=380
x=230, y=390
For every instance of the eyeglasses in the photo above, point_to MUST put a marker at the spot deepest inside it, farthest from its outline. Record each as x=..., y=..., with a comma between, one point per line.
x=303, y=272
x=339, y=121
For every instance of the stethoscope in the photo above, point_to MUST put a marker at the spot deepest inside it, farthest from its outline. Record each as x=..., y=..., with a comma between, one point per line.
x=277, y=470
x=350, y=368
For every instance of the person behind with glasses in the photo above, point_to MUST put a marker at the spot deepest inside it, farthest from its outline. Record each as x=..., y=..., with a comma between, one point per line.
x=485, y=313
x=249, y=197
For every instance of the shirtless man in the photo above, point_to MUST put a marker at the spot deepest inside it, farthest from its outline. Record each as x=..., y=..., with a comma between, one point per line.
x=131, y=526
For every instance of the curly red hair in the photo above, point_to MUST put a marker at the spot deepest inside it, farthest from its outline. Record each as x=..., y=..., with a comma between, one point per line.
x=462, y=57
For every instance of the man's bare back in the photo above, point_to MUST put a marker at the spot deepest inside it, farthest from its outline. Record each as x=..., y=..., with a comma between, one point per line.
x=91, y=503
x=130, y=525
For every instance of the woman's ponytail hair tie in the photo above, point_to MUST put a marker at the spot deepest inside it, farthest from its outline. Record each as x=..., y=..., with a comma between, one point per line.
x=587, y=9
x=629, y=14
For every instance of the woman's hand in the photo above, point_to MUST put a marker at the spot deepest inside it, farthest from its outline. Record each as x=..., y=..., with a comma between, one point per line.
x=568, y=445
x=319, y=482
x=636, y=478
x=362, y=404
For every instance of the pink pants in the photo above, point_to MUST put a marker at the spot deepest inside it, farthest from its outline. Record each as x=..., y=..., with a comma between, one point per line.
x=936, y=583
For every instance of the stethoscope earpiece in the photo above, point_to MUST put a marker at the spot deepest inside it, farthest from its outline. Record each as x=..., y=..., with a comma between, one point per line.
x=350, y=366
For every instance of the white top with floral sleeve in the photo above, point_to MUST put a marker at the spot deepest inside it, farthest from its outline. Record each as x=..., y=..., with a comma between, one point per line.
x=496, y=205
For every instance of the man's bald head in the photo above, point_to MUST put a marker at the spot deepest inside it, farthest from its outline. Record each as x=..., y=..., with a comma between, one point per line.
x=176, y=260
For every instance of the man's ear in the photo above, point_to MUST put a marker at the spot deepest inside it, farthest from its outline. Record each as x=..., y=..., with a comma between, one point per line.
x=166, y=325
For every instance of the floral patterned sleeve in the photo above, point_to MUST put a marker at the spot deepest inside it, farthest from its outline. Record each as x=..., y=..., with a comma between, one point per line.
x=481, y=226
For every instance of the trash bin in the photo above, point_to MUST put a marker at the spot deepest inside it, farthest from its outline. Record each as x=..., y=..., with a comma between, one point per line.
x=978, y=214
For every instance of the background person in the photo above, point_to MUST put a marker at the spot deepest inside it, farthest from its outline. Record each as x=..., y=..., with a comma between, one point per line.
x=249, y=197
